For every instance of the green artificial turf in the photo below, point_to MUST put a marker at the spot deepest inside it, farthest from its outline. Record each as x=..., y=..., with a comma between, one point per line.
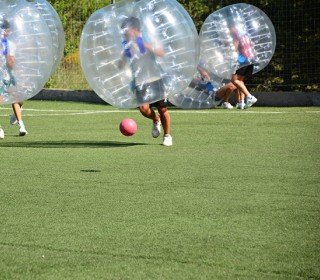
x=236, y=197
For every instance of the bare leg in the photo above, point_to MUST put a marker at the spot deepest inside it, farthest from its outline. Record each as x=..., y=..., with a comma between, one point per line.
x=225, y=91
x=166, y=123
x=17, y=110
x=165, y=118
x=147, y=112
x=240, y=96
x=237, y=80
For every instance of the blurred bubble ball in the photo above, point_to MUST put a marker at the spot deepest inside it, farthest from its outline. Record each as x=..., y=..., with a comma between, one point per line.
x=128, y=127
x=25, y=36
x=116, y=65
x=236, y=36
x=55, y=26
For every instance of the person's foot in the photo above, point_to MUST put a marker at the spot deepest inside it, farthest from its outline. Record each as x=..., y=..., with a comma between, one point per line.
x=22, y=131
x=167, y=140
x=226, y=105
x=240, y=105
x=13, y=120
x=1, y=133
x=156, y=129
x=250, y=101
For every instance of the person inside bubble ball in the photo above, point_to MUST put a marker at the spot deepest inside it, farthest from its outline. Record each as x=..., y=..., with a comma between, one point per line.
x=202, y=82
x=147, y=82
x=222, y=95
x=244, y=49
x=8, y=53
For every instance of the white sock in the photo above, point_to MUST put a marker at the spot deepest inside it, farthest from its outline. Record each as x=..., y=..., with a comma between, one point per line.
x=20, y=123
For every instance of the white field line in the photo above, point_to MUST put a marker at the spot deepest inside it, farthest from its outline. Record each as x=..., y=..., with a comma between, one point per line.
x=313, y=112
x=54, y=112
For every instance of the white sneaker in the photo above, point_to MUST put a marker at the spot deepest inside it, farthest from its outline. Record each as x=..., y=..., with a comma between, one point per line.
x=13, y=119
x=156, y=129
x=1, y=133
x=167, y=140
x=226, y=105
x=250, y=101
x=240, y=105
x=22, y=131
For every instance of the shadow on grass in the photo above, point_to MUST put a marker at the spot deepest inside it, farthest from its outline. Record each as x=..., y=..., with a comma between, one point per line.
x=70, y=144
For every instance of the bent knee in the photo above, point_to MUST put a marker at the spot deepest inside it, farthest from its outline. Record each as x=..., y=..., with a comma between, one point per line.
x=162, y=109
x=234, y=79
x=144, y=109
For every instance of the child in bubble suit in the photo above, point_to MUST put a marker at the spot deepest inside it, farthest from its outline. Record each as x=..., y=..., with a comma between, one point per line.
x=147, y=82
x=244, y=48
x=222, y=95
x=9, y=80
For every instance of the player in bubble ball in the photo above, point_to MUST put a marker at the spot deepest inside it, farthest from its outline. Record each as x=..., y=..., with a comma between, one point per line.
x=222, y=95
x=147, y=82
x=9, y=80
x=245, y=51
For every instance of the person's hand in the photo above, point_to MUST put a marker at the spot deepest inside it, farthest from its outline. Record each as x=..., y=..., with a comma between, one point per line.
x=12, y=80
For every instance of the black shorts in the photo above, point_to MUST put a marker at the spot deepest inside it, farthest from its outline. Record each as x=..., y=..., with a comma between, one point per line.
x=245, y=71
x=150, y=92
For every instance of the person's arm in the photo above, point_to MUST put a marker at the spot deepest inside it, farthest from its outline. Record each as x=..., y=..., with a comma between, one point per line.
x=156, y=51
x=203, y=73
x=10, y=61
x=122, y=62
x=236, y=44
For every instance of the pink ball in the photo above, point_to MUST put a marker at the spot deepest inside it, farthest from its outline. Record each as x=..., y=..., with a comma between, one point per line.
x=128, y=127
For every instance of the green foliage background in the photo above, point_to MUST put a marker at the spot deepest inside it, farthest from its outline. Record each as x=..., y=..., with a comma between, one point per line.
x=295, y=65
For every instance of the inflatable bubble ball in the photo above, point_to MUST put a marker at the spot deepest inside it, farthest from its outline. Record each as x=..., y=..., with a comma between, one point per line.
x=54, y=23
x=236, y=36
x=139, y=51
x=200, y=94
x=26, y=55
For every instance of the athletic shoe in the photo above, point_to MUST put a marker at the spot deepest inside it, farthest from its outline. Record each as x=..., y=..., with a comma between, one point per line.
x=1, y=133
x=226, y=105
x=22, y=131
x=250, y=101
x=156, y=129
x=167, y=140
x=13, y=119
x=240, y=105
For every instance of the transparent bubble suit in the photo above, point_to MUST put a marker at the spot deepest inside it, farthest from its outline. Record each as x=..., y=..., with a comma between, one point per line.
x=165, y=24
x=199, y=94
x=51, y=17
x=236, y=36
x=30, y=38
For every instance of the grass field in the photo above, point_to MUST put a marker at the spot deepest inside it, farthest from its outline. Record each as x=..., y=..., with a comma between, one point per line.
x=236, y=197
